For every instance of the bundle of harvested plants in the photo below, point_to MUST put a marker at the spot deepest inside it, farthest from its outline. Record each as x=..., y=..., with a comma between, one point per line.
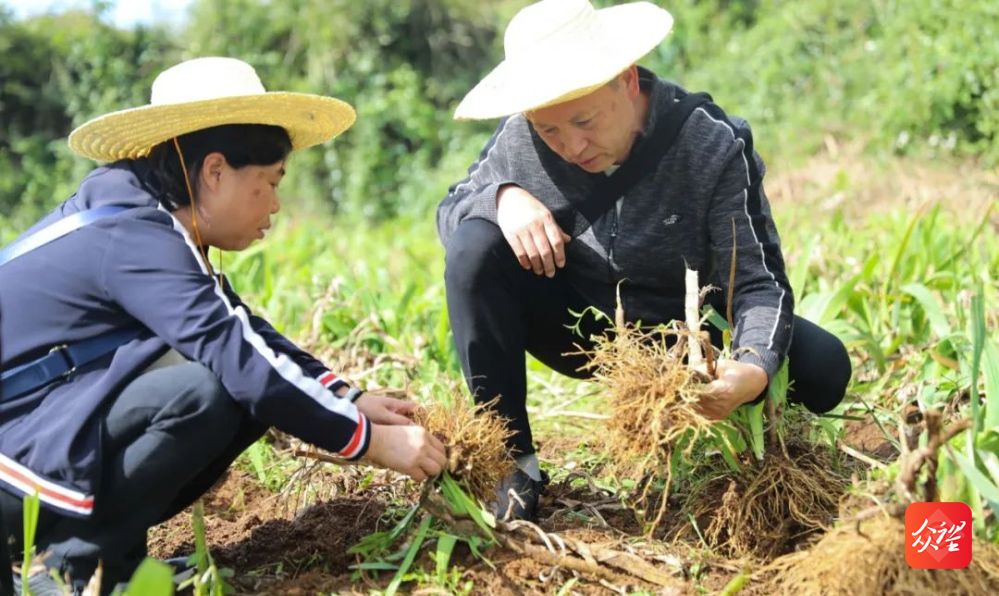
x=653, y=379
x=476, y=439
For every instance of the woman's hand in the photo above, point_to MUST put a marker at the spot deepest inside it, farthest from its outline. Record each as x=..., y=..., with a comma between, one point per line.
x=737, y=383
x=411, y=450
x=386, y=410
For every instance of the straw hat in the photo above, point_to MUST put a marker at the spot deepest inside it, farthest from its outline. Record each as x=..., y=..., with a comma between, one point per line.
x=206, y=92
x=557, y=50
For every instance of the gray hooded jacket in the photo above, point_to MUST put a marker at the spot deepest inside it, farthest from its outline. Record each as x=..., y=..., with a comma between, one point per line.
x=683, y=212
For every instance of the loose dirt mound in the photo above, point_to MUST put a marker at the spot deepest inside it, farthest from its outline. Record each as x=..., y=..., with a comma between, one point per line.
x=253, y=532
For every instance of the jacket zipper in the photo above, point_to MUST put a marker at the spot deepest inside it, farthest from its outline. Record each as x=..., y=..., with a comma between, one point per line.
x=613, y=239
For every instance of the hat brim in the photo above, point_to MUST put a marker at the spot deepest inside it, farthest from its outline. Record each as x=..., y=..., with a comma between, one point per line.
x=132, y=133
x=628, y=32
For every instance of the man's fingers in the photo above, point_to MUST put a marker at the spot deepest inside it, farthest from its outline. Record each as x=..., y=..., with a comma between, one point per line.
x=714, y=388
x=527, y=241
x=545, y=252
x=518, y=250
x=708, y=405
x=556, y=238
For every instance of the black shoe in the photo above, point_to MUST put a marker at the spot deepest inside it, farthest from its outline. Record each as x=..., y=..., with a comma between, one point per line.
x=182, y=569
x=40, y=583
x=517, y=496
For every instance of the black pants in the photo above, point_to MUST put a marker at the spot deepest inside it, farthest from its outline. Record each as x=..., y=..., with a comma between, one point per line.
x=499, y=311
x=169, y=436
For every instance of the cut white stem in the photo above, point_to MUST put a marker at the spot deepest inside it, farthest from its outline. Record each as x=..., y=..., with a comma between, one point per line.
x=690, y=306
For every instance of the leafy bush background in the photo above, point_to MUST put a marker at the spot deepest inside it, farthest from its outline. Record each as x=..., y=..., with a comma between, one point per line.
x=915, y=77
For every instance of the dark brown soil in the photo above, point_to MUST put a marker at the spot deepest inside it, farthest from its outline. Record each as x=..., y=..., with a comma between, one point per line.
x=254, y=532
x=273, y=550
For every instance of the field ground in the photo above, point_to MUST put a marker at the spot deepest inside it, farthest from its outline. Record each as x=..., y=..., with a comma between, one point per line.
x=291, y=535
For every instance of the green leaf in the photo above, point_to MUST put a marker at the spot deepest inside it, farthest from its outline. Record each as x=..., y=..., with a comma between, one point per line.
x=978, y=341
x=464, y=505
x=736, y=584
x=256, y=454
x=982, y=484
x=30, y=508
x=200, y=545
x=990, y=368
x=755, y=415
x=442, y=556
x=991, y=463
x=931, y=307
x=714, y=318
x=152, y=578
x=567, y=587
x=375, y=566
x=414, y=547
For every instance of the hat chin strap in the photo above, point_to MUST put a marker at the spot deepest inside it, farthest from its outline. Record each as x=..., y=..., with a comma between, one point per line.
x=194, y=211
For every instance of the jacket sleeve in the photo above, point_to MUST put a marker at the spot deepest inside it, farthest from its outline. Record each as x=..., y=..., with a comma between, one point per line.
x=475, y=196
x=762, y=301
x=152, y=270
x=312, y=366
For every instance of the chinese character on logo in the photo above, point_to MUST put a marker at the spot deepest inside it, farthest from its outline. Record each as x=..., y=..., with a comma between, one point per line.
x=938, y=535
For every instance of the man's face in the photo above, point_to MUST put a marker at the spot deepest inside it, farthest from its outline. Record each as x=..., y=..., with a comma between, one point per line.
x=597, y=130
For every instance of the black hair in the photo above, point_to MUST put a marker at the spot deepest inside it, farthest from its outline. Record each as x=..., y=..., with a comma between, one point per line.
x=241, y=144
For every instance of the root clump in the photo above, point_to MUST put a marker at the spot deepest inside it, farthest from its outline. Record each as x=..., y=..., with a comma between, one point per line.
x=768, y=508
x=654, y=398
x=475, y=437
x=869, y=558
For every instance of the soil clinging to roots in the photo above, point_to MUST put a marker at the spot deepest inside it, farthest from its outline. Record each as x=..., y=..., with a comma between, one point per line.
x=769, y=507
x=476, y=439
x=869, y=558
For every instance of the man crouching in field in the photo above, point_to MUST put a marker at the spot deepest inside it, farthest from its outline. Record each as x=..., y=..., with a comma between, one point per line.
x=600, y=172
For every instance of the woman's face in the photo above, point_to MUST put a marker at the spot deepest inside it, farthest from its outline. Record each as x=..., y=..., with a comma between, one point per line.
x=235, y=205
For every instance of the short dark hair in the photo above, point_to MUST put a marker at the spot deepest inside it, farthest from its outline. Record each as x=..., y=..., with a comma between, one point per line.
x=241, y=144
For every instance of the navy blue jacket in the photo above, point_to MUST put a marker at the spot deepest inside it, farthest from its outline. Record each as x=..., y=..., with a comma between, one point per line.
x=139, y=269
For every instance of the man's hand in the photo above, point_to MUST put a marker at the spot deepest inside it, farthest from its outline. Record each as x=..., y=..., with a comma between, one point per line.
x=386, y=410
x=531, y=230
x=411, y=450
x=737, y=383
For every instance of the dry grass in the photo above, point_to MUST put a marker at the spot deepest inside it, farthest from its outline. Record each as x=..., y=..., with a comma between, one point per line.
x=476, y=439
x=869, y=558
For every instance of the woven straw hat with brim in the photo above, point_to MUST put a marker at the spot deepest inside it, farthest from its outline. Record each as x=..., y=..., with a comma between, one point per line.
x=558, y=50
x=206, y=92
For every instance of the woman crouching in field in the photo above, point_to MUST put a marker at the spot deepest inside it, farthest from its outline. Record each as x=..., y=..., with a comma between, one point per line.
x=132, y=375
